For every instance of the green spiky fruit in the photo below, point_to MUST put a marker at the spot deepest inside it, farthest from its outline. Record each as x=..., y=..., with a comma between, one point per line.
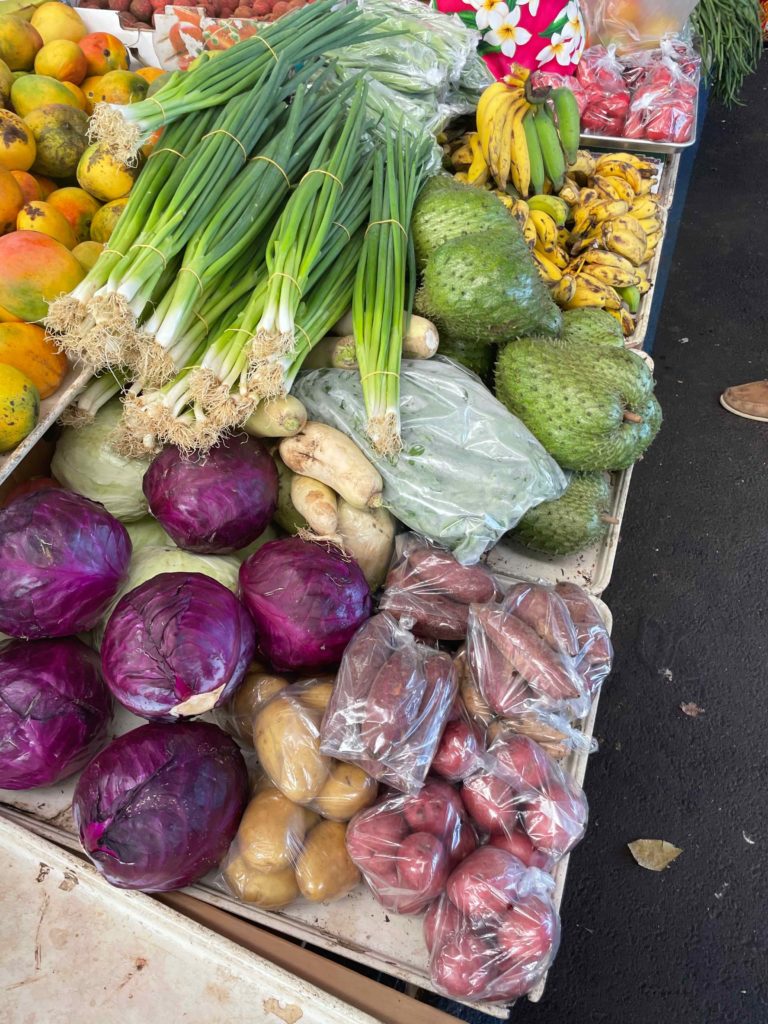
x=485, y=288
x=448, y=209
x=593, y=325
x=572, y=522
x=591, y=406
x=478, y=358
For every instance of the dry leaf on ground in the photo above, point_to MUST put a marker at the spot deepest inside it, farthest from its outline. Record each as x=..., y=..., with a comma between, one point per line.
x=691, y=709
x=654, y=854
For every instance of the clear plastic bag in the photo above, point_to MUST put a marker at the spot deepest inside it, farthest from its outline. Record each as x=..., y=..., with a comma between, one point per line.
x=406, y=846
x=429, y=592
x=639, y=24
x=469, y=470
x=285, y=733
x=495, y=931
x=283, y=851
x=663, y=107
x=594, y=659
x=606, y=96
x=390, y=703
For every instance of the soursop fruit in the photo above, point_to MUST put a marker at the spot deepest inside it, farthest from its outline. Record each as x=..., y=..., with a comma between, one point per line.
x=477, y=358
x=485, y=289
x=571, y=522
x=591, y=406
x=595, y=325
x=447, y=209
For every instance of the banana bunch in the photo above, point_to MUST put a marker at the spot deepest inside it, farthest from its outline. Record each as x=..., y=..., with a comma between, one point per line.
x=542, y=219
x=527, y=138
x=614, y=227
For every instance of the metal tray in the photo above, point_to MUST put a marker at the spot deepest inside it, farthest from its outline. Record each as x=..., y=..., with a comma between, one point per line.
x=76, y=949
x=591, y=141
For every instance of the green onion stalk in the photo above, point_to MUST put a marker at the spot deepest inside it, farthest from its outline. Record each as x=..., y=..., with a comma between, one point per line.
x=385, y=283
x=295, y=38
x=219, y=156
x=101, y=389
x=70, y=317
x=247, y=212
x=301, y=231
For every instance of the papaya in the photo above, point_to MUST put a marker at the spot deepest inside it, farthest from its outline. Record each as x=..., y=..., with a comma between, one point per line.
x=86, y=254
x=150, y=74
x=104, y=222
x=30, y=188
x=46, y=185
x=90, y=89
x=6, y=81
x=63, y=60
x=102, y=176
x=36, y=269
x=61, y=136
x=78, y=207
x=56, y=21
x=29, y=349
x=11, y=201
x=77, y=92
x=19, y=407
x=17, y=143
x=6, y=317
x=34, y=91
x=121, y=87
x=19, y=42
x=103, y=52
x=41, y=216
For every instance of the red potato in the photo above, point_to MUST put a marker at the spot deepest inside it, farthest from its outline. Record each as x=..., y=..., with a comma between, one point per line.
x=436, y=808
x=523, y=763
x=375, y=833
x=463, y=842
x=519, y=845
x=464, y=967
x=490, y=802
x=555, y=821
x=529, y=933
x=546, y=613
x=485, y=883
x=542, y=668
x=422, y=867
x=393, y=702
x=458, y=752
x=466, y=584
x=442, y=920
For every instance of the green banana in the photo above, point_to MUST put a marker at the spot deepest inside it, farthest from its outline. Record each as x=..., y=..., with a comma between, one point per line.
x=534, y=153
x=568, y=121
x=556, y=207
x=551, y=151
x=631, y=297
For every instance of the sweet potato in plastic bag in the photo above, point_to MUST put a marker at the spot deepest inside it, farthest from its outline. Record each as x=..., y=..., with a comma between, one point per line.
x=495, y=931
x=406, y=846
x=286, y=738
x=521, y=788
x=429, y=592
x=283, y=851
x=392, y=698
x=595, y=655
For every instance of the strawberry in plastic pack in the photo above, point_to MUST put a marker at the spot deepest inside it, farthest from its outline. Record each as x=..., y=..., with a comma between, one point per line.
x=406, y=846
x=495, y=931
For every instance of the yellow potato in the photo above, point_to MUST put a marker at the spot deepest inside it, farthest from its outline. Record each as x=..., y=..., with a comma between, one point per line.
x=315, y=697
x=255, y=690
x=348, y=790
x=287, y=743
x=324, y=870
x=270, y=890
x=271, y=831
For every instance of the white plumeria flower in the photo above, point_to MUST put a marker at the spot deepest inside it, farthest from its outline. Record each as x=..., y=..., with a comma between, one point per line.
x=533, y=6
x=576, y=55
x=574, y=26
x=505, y=31
x=559, y=49
x=484, y=10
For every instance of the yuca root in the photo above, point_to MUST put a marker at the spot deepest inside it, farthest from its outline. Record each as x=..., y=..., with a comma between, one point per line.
x=108, y=127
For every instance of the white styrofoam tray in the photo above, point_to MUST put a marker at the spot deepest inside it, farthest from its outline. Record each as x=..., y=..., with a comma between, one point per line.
x=76, y=949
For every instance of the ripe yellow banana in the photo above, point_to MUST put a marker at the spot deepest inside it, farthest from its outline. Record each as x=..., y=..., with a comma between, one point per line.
x=549, y=272
x=617, y=237
x=555, y=206
x=506, y=199
x=563, y=237
x=615, y=166
x=461, y=157
x=584, y=165
x=616, y=277
x=570, y=192
x=590, y=293
x=642, y=283
x=520, y=160
x=626, y=320
x=588, y=195
x=607, y=209
x=559, y=257
x=603, y=258
x=614, y=188
x=652, y=242
x=626, y=222
x=529, y=233
x=650, y=225
x=478, y=172
x=644, y=206
x=496, y=92
x=648, y=168
x=546, y=231
x=564, y=290
x=520, y=212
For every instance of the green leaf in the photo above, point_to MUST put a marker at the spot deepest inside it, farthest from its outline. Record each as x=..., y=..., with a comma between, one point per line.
x=469, y=18
x=554, y=26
